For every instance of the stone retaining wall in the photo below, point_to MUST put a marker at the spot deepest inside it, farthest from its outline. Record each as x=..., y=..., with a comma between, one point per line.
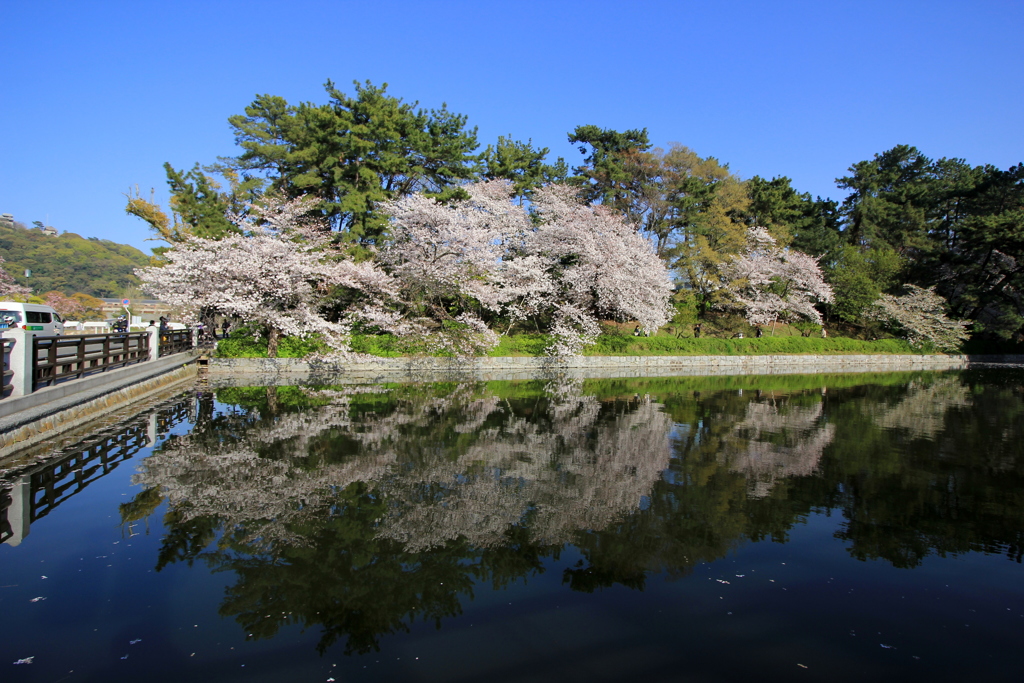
x=268, y=370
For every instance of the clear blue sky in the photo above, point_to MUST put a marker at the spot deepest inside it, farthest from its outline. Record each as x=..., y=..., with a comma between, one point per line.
x=97, y=95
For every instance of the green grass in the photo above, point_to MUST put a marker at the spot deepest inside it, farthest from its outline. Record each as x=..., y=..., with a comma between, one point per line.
x=388, y=346
x=614, y=345
x=243, y=345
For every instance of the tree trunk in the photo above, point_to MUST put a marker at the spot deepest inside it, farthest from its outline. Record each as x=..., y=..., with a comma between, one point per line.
x=275, y=336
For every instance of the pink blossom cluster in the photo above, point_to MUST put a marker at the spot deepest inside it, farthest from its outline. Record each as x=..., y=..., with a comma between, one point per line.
x=567, y=262
x=445, y=269
x=770, y=283
x=919, y=316
x=276, y=275
x=65, y=305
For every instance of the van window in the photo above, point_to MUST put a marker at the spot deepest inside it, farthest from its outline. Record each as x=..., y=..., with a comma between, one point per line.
x=37, y=317
x=9, y=318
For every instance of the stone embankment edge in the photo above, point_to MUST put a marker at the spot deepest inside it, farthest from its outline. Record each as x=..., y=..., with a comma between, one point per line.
x=585, y=366
x=31, y=426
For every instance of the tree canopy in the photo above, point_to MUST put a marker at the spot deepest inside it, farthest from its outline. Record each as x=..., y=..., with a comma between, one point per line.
x=906, y=219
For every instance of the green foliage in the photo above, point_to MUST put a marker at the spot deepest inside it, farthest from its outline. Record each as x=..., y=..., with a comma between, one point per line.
x=810, y=226
x=888, y=199
x=198, y=205
x=243, y=344
x=604, y=175
x=521, y=164
x=608, y=345
x=521, y=345
x=956, y=227
x=385, y=345
x=859, y=276
x=240, y=345
x=69, y=263
x=353, y=153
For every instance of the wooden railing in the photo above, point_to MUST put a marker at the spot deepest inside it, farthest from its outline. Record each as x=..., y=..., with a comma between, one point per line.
x=35, y=362
x=175, y=341
x=59, y=358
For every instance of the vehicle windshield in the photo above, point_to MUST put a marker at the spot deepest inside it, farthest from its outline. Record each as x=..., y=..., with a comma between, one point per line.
x=10, y=317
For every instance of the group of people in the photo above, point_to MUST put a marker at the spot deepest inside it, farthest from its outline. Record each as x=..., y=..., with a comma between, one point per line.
x=201, y=329
x=759, y=332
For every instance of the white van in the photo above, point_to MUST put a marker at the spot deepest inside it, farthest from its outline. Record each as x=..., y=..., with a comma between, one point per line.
x=36, y=318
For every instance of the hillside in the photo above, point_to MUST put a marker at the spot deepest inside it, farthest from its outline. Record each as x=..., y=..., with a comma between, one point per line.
x=69, y=263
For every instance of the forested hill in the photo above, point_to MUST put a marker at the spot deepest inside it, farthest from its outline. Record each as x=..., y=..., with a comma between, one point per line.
x=69, y=263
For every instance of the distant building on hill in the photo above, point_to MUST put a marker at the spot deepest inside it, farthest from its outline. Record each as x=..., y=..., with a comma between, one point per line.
x=147, y=309
x=49, y=230
x=7, y=220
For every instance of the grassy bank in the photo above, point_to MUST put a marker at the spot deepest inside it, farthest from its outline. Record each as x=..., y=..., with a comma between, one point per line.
x=244, y=346
x=618, y=345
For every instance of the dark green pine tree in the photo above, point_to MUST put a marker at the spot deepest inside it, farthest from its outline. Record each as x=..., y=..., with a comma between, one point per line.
x=605, y=175
x=522, y=164
x=354, y=152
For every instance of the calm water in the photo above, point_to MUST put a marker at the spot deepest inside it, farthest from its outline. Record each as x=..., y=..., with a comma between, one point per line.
x=825, y=528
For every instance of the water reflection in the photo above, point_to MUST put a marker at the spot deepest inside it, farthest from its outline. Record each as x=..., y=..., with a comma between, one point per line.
x=30, y=492
x=364, y=509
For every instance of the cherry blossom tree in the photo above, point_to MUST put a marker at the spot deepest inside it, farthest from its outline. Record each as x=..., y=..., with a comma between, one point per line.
x=919, y=317
x=8, y=287
x=567, y=263
x=275, y=275
x=65, y=305
x=447, y=261
x=594, y=263
x=768, y=282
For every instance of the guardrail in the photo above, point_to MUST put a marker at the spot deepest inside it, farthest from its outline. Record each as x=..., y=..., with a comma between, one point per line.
x=36, y=362
x=58, y=358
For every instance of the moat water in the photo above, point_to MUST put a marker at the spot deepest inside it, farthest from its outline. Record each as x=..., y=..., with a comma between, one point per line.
x=806, y=527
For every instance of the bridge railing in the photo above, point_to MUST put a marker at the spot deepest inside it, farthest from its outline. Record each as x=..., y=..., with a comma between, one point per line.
x=60, y=358
x=35, y=362
x=176, y=341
